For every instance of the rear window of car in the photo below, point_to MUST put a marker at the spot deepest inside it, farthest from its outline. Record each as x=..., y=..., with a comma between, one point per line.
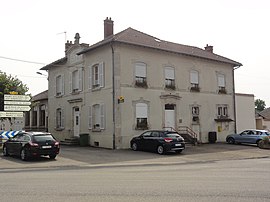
x=172, y=135
x=43, y=138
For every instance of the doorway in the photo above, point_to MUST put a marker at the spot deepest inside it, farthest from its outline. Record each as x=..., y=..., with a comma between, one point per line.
x=169, y=116
x=76, y=121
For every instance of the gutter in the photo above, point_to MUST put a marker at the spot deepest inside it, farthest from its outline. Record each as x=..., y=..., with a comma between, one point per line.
x=234, y=102
x=113, y=93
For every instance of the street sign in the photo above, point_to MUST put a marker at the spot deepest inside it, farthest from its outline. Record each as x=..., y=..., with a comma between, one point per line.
x=17, y=97
x=17, y=103
x=11, y=114
x=16, y=108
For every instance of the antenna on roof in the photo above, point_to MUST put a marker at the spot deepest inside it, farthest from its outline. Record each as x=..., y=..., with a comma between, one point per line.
x=65, y=35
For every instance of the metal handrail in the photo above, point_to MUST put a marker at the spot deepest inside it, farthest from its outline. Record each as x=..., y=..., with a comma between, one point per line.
x=187, y=130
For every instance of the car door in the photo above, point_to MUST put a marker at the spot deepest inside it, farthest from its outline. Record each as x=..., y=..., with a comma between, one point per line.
x=146, y=141
x=154, y=140
x=11, y=144
x=242, y=137
x=17, y=144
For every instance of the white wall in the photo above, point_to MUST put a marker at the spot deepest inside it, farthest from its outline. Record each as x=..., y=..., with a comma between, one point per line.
x=245, y=112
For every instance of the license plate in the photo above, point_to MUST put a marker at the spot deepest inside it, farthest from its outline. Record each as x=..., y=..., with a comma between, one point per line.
x=178, y=145
x=46, y=147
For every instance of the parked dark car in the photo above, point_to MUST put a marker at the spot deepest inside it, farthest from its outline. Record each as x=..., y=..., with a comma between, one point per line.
x=247, y=136
x=31, y=144
x=159, y=141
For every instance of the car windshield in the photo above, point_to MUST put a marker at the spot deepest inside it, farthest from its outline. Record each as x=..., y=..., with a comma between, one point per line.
x=172, y=135
x=43, y=138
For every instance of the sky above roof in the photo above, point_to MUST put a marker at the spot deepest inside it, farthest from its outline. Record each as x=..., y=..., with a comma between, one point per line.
x=33, y=33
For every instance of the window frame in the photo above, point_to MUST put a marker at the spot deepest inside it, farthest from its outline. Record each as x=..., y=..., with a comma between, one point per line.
x=140, y=74
x=169, y=79
x=141, y=118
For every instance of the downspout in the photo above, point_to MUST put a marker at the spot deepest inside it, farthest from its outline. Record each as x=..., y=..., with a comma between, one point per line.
x=234, y=102
x=113, y=94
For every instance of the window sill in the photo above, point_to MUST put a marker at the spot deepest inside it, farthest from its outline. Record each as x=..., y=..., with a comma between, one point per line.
x=59, y=129
x=141, y=128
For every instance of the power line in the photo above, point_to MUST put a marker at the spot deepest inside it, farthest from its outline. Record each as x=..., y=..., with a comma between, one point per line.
x=18, y=60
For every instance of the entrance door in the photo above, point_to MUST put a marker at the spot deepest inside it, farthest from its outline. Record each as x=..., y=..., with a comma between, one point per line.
x=169, y=116
x=76, y=124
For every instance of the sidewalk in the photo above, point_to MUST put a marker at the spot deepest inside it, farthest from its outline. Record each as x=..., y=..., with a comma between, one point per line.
x=75, y=156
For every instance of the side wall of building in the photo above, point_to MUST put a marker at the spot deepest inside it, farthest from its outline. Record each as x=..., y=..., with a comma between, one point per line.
x=245, y=112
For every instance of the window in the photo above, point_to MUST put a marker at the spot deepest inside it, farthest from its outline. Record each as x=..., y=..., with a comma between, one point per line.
x=194, y=80
x=59, y=118
x=97, y=117
x=222, y=111
x=140, y=74
x=169, y=78
x=76, y=80
x=195, y=114
x=34, y=116
x=141, y=116
x=59, y=85
x=221, y=83
x=42, y=115
x=96, y=76
x=27, y=118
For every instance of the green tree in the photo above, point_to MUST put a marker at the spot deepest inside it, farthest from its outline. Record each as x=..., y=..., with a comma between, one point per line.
x=9, y=84
x=259, y=105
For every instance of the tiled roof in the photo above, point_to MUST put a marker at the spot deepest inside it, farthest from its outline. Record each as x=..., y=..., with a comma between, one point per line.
x=265, y=113
x=55, y=63
x=41, y=96
x=134, y=37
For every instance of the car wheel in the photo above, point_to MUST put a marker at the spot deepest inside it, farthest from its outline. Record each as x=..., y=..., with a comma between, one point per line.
x=259, y=143
x=178, y=151
x=23, y=155
x=52, y=156
x=5, y=151
x=134, y=146
x=160, y=149
x=231, y=140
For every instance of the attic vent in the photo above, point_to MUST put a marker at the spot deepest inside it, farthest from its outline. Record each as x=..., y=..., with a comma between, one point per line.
x=157, y=40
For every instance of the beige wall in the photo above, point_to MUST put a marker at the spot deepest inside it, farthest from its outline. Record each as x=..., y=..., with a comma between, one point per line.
x=245, y=112
x=155, y=95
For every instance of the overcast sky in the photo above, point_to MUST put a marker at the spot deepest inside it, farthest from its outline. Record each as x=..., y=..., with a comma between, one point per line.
x=34, y=31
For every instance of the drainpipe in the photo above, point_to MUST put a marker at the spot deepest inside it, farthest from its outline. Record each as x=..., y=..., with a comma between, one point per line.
x=234, y=102
x=113, y=94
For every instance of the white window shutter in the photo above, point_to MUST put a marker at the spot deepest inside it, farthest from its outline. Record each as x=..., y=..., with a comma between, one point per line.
x=80, y=79
x=194, y=77
x=90, y=120
x=141, y=110
x=221, y=80
x=102, y=116
x=90, y=77
x=169, y=73
x=55, y=86
x=62, y=118
x=63, y=84
x=70, y=82
x=101, y=74
x=140, y=69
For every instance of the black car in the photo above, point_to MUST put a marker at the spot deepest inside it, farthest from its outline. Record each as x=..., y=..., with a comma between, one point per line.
x=159, y=141
x=31, y=144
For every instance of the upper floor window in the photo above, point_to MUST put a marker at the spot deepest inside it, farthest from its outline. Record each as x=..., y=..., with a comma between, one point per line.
x=76, y=80
x=140, y=74
x=169, y=77
x=59, y=118
x=221, y=83
x=194, y=80
x=141, y=116
x=96, y=76
x=97, y=117
x=59, y=85
x=222, y=111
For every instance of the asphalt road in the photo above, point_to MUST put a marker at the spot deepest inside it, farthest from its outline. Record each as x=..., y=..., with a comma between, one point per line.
x=217, y=172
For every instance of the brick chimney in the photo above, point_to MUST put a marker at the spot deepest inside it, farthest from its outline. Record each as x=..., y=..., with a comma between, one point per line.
x=108, y=27
x=208, y=48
